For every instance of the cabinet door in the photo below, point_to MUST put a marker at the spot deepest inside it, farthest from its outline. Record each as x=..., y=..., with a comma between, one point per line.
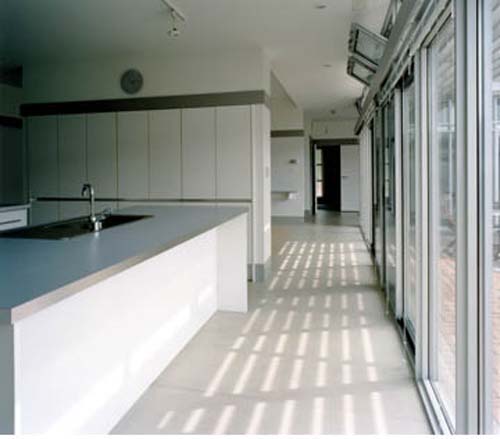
x=43, y=212
x=234, y=152
x=198, y=153
x=72, y=155
x=165, y=154
x=133, y=173
x=12, y=189
x=42, y=150
x=101, y=154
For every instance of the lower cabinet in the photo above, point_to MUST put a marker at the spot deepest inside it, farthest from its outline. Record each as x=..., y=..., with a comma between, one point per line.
x=13, y=219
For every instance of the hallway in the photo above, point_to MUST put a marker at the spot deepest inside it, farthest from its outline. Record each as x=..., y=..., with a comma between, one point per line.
x=316, y=354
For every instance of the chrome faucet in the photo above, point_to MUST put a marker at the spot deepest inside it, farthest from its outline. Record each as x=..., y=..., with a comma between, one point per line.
x=94, y=221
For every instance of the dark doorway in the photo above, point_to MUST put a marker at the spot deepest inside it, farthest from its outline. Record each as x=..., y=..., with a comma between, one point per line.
x=328, y=178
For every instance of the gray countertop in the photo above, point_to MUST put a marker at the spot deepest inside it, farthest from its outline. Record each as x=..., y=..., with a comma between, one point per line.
x=37, y=273
x=9, y=207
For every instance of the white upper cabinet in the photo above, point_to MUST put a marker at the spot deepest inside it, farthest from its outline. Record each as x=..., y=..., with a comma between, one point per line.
x=101, y=154
x=42, y=150
x=198, y=153
x=133, y=164
x=234, y=152
x=72, y=155
x=165, y=153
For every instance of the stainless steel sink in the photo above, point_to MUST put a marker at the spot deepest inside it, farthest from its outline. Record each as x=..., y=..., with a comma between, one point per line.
x=70, y=228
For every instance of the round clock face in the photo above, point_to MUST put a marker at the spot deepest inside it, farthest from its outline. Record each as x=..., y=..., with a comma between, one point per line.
x=131, y=81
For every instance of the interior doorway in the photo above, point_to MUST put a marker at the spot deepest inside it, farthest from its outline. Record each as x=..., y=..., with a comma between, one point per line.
x=335, y=177
x=328, y=178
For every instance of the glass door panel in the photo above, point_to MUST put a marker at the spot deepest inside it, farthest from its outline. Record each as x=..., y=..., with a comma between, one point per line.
x=442, y=224
x=390, y=202
x=410, y=209
x=378, y=211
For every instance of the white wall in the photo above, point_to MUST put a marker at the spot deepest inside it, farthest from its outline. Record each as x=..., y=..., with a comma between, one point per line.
x=261, y=129
x=307, y=164
x=287, y=177
x=333, y=129
x=287, y=158
x=100, y=79
x=285, y=116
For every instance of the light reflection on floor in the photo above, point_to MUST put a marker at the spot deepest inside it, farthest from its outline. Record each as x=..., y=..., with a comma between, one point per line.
x=314, y=355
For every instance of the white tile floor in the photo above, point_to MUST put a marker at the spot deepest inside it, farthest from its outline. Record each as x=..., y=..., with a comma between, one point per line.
x=316, y=353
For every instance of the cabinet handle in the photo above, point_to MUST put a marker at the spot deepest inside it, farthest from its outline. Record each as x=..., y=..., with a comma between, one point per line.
x=4, y=223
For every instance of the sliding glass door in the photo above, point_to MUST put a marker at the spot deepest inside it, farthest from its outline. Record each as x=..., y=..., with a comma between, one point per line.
x=490, y=218
x=390, y=202
x=442, y=217
x=378, y=205
x=410, y=206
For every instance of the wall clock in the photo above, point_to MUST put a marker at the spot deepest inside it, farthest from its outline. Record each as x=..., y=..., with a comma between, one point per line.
x=131, y=81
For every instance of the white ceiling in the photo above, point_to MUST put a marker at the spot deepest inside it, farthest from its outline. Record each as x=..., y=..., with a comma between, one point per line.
x=299, y=38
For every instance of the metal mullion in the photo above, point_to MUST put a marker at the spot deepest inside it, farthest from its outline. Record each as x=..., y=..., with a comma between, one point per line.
x=467, y=221
x=433, y=221
x=398, y=140
x=406, y=200
x=422, y=349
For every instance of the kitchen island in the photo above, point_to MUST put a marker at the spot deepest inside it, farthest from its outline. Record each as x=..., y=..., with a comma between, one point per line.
x=87, y=324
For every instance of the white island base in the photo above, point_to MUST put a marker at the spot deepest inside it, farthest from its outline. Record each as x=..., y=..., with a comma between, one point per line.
x=76, y=367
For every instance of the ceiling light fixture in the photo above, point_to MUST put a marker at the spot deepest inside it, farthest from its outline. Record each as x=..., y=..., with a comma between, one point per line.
x=174, y=10
x=320, y=6
x=176, y=15
x=327, y=66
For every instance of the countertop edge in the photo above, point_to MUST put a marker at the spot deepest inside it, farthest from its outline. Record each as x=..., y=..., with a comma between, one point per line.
x=19, y=312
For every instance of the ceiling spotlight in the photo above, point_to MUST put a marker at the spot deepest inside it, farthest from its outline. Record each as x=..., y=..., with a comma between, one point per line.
x=327, y=66
x=320, y=6
x=174, y=32
x=332, y=112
